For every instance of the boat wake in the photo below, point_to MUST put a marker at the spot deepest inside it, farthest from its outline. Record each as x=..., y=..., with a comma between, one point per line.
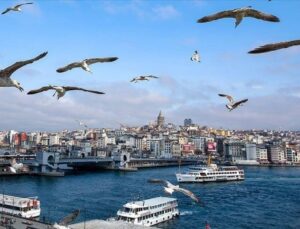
x=186, y=213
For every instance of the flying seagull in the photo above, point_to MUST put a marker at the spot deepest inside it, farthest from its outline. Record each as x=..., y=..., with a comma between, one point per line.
x=5, y=74
x=85, y=64
x=195, y=57
x=232, y=104
x=61, y=90
x=274, y=46
x=81, y=123
x=141, y=78
x=63, y=224
x=170, y=188
x=16, y=8
x=239, y=14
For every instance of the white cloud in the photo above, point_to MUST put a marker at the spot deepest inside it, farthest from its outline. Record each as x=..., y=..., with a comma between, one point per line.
x=166, y=12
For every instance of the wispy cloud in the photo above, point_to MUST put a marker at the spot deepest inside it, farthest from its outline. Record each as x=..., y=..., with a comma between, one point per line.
x=140, y=9
x=254, y=84
x=166, y=12
x=133, y=6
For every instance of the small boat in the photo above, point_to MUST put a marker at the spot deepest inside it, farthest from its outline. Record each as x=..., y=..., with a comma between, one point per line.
x=24, y=207
x=149, y=212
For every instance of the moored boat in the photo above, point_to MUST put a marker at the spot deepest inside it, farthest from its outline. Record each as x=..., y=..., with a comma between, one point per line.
x=149, y=212
x=24, y=207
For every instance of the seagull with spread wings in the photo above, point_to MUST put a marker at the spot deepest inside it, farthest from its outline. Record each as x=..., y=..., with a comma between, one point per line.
x=274, y=46
x=239, y=14
x=195, y=57
x=142, y=78
x=81, y=123
x=85, y=64
x=5, y=74
x=170, y=188
x=61, y=90
x=232, y=104
x=16, y=8
x=63, y=224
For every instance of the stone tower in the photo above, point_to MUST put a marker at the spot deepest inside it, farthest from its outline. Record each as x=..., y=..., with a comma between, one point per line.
x=160, y=120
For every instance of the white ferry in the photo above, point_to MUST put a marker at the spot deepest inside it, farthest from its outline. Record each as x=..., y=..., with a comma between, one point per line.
x=211, y=173
x=24, y=207
x=149, y=212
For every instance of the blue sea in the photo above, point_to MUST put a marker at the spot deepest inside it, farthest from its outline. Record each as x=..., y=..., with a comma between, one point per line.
x=268, y=198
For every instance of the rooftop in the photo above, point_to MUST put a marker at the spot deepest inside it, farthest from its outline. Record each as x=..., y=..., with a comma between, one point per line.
x=149, y=202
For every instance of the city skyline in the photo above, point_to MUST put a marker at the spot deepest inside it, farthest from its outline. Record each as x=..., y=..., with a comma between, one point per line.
x=151, y=38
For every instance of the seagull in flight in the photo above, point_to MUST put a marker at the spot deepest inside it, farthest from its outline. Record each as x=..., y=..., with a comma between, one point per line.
x=16, y=8
x=141, y=78
x=170, y=188
x=61, y=90
x=63, y=224
x=274, y=46
x=239, y=14
x=5, y=74
x=81, y=123
x=232, y=104
x=195, y=57
x=85, y=64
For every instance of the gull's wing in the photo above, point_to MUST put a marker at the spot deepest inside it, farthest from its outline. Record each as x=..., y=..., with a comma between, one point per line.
x=239, y=103
x=69, y=67
x=135, y=79
x=274, y=46
x=262, y=16
x=40, y=90
x=223, y=14
x=82, y=89
x=188, y=193
x=26, y=3
x=151, y=76
x=7, y=72
x=228, y=97
x=69, y=218
x=157, y=181
x=5, y=11
x=100, y=60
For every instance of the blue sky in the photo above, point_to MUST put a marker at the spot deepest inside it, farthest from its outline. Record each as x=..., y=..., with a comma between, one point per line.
x=151, y=37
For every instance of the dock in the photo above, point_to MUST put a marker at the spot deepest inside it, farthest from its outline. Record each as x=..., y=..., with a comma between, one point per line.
x=13, y=221
x=102, y=224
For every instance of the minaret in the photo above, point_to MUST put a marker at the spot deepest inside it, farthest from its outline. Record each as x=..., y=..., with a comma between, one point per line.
x=160, y=120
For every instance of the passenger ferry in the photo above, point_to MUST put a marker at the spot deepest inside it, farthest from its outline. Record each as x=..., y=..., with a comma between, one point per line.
x=211, y=173
x=149, y=212
x=24, y=207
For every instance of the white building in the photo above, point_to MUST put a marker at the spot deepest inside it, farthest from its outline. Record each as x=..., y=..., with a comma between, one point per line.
x=54, y=139
x=277, y=154
x=199, y=143
x=262, y=155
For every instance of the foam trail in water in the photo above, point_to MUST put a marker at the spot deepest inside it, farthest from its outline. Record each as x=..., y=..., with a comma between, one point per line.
x=186, y=213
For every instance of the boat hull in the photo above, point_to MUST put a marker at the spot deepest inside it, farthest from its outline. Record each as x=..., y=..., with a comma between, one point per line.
x=187, y=178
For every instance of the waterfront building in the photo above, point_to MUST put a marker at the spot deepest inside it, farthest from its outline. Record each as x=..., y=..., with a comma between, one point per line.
x=176, y=150
x=262, y=155
x=199, y=143
x=235, y=151
x=276, y=154
x=292, y=156
x=251, y=153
